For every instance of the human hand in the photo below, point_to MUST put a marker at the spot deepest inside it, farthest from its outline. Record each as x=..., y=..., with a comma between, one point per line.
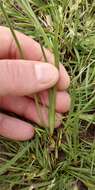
x=21, y=78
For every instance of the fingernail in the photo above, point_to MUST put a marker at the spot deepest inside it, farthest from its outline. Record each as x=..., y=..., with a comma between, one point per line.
x=46, y=73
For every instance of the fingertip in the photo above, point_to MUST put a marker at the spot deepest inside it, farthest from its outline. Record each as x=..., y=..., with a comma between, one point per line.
x=63, y=102
x=64, y=78
x=15, y=129
x=28, y=134
x=25, y=131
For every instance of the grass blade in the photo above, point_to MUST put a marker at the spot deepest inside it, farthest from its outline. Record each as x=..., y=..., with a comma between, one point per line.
x=12, y=31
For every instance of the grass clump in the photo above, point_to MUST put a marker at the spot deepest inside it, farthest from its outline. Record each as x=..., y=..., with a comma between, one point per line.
x=68, y=162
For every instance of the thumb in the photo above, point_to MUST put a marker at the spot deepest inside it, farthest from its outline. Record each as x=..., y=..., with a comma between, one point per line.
x=20, y=77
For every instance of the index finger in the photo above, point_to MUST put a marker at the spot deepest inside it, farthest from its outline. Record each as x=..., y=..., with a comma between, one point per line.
x=31, y=50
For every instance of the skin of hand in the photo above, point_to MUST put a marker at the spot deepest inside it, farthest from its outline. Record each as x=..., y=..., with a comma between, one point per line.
x=21, y=78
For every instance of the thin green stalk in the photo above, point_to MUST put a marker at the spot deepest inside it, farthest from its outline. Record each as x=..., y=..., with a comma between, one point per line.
x=25, y=5
x=52, y=102
x=11, y=28
x=52, y=93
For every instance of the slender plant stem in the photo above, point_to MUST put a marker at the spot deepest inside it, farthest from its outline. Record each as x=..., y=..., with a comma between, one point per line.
x=11, y=28
x=52, y=101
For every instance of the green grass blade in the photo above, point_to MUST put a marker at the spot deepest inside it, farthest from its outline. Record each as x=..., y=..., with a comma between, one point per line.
x=9, y=163
x=11, y=28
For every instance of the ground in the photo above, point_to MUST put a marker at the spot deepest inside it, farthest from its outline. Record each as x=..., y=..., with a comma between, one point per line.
x=68, y=160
